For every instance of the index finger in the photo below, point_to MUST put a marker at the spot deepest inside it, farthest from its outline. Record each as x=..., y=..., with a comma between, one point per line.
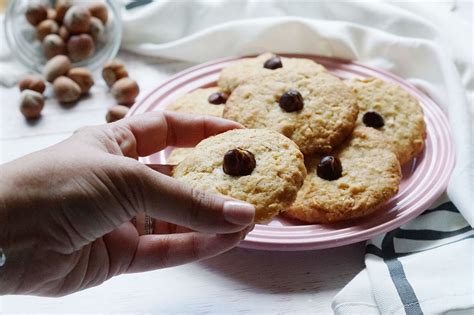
x=154, y=131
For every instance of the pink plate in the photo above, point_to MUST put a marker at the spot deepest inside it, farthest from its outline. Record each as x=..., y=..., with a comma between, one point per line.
x=424, y=180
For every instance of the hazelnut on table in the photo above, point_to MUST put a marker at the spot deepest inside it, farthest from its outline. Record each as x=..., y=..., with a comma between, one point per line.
x=116, y=112
x=66, y=90
x=83, y=78
x=32, y=82
x=55, y=67
x=125, y=91
x=113, y=71
x=31, y=104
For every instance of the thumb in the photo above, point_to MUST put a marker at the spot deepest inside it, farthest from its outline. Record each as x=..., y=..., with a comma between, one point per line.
x=167, y=199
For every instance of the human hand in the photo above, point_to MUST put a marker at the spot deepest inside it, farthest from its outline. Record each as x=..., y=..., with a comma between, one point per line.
x=65, y=211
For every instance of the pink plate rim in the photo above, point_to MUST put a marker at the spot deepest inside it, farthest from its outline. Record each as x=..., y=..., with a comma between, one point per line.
x=426, y=181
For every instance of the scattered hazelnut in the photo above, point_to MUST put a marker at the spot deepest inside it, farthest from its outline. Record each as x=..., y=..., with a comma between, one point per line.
x=51, y=14
x=77, y=19
x=45, y=28
x=53, y=45
x=125, y=91
x=35, y=13
x=55, y=67
x=97, y=29
x=113, y=71
x=82, y=77
x=66, y=90
x=99, y=10
x=63, y=33
x=80, y=47
x=32, y=82
x=31, y=104
x=116, y=112
x=61, y=8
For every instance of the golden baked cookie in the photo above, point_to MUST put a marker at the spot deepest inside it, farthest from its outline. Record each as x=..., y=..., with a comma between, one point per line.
x=393, y=111
x=178, y=155
x=368, y=175
x=317, y=111
x=240, y=71
x=207, y=101
x=258, y=166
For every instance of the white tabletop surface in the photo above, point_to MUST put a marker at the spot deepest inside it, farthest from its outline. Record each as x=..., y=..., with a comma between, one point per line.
x=239, y=281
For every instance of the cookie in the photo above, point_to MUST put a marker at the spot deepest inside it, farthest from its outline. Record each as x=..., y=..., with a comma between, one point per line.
x=258, y=166
x=368, y=175
x=317, y=111
x=240, y=71
x=178, y=155
x=393, y=111
x=207, y=101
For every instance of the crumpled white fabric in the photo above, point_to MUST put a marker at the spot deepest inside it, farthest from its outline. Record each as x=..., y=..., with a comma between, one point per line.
x=430, y=48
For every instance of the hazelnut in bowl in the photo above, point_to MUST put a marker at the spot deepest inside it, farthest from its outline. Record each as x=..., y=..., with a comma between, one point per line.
x=88, y=32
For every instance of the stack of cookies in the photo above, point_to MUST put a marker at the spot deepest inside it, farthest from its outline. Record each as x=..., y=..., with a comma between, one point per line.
x=317, y=149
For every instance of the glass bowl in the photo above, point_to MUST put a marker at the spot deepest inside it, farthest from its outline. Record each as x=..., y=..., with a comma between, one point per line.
x=21, y=36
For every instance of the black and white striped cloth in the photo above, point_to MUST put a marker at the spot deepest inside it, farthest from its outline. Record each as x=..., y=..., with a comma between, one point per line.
x=424, y=267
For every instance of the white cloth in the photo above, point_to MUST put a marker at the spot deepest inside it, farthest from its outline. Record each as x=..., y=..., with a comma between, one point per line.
x=426, y=265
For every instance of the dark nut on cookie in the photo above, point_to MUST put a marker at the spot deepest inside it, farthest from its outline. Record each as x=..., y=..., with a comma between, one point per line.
x=80, y=47
x=77, y=19
x=238, y=162
x=116, y=112
x=55, y=67
x=31, y=104
x=66, y=90
x=53, y=45
x=291, y=101
x=35, y=13
x=32, y=82
x=273, y=63
x=218, y=98
x=329, y=168
x=125, y=91
x=373, y=119
x=99, y=10
x=45, y=28
x=83, y=77
x=113, y=71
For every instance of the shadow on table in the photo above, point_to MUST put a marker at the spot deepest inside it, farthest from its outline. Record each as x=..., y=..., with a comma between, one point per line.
x=282, y=272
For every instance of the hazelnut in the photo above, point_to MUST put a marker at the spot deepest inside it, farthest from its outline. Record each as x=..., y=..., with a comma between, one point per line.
x=45, y=28
x=291, y=101
x=116, y=112
x=97, y=29
x=329, y=168
x=80, y=47
x=218, y=98
x=31, y=104
x=99, y=10
x=373, y=119
x=62, y=6
x=32, y=82
x=77, y=20
x=66, y=90
x=273, y=63
x=82, y=77
x=51, y=14
x=125, y=91
x=238, y=162
x=35, y=13
x=55, y=67
x=112, y=71
x=63, y=33
x=53, y=45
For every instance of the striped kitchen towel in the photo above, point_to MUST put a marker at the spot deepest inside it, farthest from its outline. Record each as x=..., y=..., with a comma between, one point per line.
x=424, y=267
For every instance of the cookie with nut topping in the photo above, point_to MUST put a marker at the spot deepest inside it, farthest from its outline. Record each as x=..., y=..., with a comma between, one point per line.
x=206, y=101
x=258, y=166
x=350, y=182
x=316, y=110
x=243, y=69
x=390, y=109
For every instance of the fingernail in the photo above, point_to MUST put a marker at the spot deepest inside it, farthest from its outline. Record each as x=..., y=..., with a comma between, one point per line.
x=238, y=212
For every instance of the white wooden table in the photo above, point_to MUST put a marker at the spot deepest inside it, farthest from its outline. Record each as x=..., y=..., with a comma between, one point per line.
x=240, y=281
